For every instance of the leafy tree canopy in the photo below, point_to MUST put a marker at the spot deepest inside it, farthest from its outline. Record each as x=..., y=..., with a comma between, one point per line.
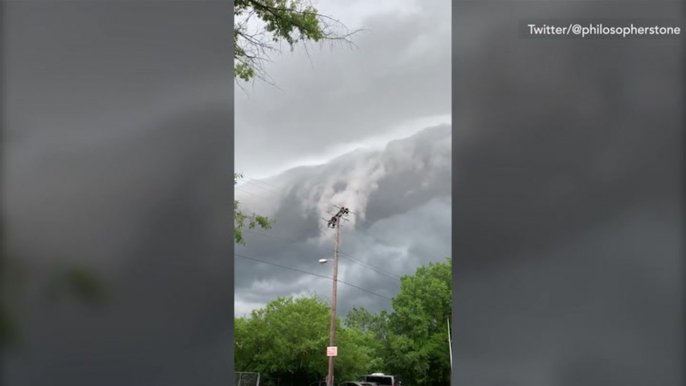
x=261, y=26
x=286, y=339
x=419, y=325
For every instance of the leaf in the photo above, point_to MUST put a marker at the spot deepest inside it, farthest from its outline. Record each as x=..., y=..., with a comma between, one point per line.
x=286, y=21
x=241, y=220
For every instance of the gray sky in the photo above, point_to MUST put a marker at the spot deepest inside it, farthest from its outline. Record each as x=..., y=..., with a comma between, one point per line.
x=335, y=109
x=337, y=98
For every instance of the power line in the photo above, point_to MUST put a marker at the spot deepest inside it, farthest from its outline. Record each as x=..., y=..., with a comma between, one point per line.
x=262, y=187
x=281, y=266
x=358, y=220
x=347, y=256
x=367, y=265
x=249, y=192
x=252, y=194
x=278, y=188
x=418, y=249
x=268, y=184
x=378, y=270
x=310, y=273
x=253, y=182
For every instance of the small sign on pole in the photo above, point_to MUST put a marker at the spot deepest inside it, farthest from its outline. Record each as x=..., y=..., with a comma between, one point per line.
x=332, y=351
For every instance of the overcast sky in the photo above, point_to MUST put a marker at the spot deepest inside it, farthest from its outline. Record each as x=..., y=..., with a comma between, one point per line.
x=333, y=101
x=394, y=82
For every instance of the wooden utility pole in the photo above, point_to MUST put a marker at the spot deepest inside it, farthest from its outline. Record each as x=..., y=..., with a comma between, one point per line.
x=332, y=332
x=334, y=222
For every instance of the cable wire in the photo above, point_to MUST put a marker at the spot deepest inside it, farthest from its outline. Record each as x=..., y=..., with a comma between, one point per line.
x=344, y=255
x=310, y=273
x=378, y=270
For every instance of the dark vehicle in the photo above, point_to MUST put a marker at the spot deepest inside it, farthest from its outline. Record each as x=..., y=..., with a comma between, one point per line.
x=349, y=383
x=380, y=379
x=357, y=383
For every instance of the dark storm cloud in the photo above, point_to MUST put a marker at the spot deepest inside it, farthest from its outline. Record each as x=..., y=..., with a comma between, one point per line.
x=567, y=194
x=117, y=161
x=400, y=71
x=380, y=243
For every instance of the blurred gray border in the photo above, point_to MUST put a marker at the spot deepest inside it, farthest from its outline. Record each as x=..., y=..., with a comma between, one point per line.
x=480, y=14
x=2, y=169
x=228, y=161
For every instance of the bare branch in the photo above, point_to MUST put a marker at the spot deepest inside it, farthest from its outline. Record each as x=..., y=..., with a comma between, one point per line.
x=282, y=21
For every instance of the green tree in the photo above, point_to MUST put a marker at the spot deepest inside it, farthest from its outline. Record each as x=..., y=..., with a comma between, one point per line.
x=261, y=26
x=419, y=350
x=376, y=331
x=376, y=324
x=287, y=340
